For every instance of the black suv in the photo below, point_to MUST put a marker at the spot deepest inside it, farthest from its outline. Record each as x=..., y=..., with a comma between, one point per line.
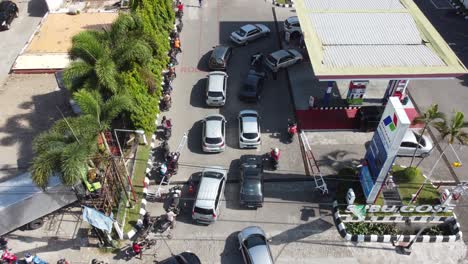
x=8, y=11
x=219, y=57
x=251, y=190
x=252, y=87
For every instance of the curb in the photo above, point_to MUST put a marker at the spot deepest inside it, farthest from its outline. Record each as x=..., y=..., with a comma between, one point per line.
x=275, y=3
x=388, y=238
x=146, y=182
x=394, y=219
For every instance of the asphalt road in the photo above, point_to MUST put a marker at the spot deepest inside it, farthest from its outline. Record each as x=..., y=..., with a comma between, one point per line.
x=13, y=40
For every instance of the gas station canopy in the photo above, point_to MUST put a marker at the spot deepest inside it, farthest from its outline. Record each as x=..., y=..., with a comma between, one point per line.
x=374, y=39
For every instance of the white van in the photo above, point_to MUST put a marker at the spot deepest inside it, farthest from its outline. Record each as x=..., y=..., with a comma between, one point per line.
x=209, y=195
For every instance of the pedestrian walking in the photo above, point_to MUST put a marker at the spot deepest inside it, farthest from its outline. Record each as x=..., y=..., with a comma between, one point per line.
x=200, y=3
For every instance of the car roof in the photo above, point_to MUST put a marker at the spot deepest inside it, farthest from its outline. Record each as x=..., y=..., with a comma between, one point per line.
x=248, y=27
x=252, y=173
x=252, y=79
x=409, y=137
x=208, y=188
x=213, y=125
x=280, y=54
x=249, y=122
x=216, y=81
x=219, y=51
x=188, y=258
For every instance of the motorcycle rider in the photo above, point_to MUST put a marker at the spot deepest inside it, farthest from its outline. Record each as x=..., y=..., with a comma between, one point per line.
x=180, y=9
x=275, y=155
x=292, y=129
x=137, y=249
x=3, y=242
x=146, y=220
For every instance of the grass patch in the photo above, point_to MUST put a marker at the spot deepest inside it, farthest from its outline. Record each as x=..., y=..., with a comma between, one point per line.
x=133, y=214
x=282, y=1
x=409, y=180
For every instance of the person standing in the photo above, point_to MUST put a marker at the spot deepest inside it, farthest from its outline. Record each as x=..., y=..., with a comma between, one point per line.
x=200, y=3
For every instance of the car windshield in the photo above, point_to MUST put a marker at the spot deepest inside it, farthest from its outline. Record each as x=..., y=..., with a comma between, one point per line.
x=213, y=140
x=254, y=240
x=250, y=135
x=215, y=94
x=252, y=187
x=271, y=59
x=241, y=32
x=203, y=211
x=420, y=139
x=213, y=174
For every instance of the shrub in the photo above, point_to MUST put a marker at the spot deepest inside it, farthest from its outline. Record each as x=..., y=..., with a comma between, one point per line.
x=363, y=228
x=146, y=106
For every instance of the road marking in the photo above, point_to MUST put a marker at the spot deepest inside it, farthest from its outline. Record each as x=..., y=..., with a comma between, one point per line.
x=444, y=4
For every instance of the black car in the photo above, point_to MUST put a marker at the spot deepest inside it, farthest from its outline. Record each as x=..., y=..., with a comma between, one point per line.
x=251, y=190
x=252, y=87
x=182, y=258
x=219, y=57
x=8, y=11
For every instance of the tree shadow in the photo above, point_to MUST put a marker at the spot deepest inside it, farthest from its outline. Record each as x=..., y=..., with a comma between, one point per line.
x=37, y=8
x=231, y=253
x=339, y=159
x=301, y=231
x=22, y=128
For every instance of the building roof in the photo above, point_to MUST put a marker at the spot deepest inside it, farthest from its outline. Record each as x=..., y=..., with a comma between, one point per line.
x=365, y=39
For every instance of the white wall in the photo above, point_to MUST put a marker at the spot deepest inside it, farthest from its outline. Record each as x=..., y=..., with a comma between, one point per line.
x=53, y=5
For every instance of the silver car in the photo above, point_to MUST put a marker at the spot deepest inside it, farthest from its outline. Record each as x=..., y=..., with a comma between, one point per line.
x=254, y=246
x=216, y=88
x=249, y=32
x=283, y=59
x=213, y=133
x=249, y=129
x=292, y=27
x=410, y=143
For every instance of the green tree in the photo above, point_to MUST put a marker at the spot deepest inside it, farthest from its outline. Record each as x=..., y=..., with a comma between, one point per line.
x=65, y=150
x=92, y=67
x=427, y=118
x=450, y=132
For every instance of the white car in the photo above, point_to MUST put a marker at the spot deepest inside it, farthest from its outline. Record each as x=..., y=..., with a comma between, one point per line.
x=249, y=129
x=292, y=28
x=410, y=143
x=213, y=133
x=283, y=59
x=216, y=88
x=249, y=32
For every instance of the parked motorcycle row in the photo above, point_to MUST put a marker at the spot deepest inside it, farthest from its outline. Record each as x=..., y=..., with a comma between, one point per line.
x=8, y=257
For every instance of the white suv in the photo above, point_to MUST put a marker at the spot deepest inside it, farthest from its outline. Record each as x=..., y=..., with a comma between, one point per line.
x=216, y=88
x=292, y=28
x=249, y=129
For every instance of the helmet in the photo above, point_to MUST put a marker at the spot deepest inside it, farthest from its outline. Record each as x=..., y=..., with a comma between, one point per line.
x=276, y=151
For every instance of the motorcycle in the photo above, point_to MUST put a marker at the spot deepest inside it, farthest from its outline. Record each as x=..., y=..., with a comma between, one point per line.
x=167, y=133
x=165, y=105
x=3, y=243
x=174, y=194
x=30, y=259
x=164, y=222
x=292, y=130
x=180, y=26
x=172, y=161
x=165, y=148
x=8, y=257
x=62, y=261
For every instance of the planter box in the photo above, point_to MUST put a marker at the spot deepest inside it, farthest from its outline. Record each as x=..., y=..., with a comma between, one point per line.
x=341, y=226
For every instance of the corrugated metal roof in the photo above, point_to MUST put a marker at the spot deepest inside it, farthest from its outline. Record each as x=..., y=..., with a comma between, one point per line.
x=353, y=4
x=380, y=56
x=365, y=28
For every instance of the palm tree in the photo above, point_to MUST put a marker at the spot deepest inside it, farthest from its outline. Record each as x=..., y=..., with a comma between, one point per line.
x=64, y=149
x=93, y=67
x=427, y=118
x=101, y=112
x=451, y=132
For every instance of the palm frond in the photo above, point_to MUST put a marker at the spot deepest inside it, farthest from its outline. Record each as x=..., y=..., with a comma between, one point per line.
x=106, y=73
x=90, y=103
x=88, y=47
x=76, y=74
x=135, y=51
x=43, y=167
x=73, y=162
x=114, y=106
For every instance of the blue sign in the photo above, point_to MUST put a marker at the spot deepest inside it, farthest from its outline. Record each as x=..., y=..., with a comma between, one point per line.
x=367, y=180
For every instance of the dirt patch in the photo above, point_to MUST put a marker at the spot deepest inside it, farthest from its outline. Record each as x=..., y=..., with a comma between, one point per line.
x=57, y=30
x=28, y=108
